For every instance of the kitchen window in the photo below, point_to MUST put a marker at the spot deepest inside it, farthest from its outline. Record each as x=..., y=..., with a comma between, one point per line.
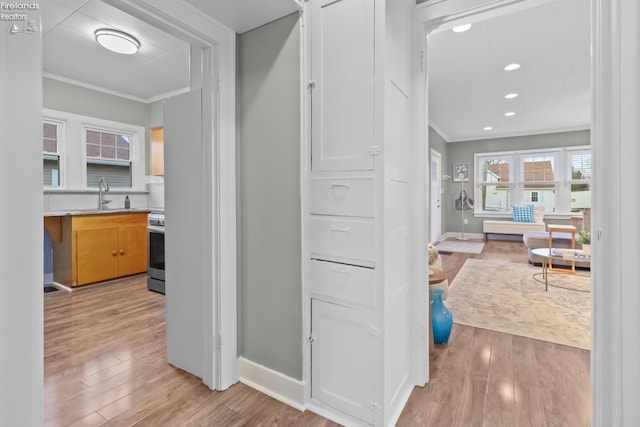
x=108, y=155
x=52, y=132
x=79, y=150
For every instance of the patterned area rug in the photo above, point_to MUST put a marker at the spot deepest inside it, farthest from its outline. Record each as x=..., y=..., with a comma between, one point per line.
x=459, y=246
x=504, y=297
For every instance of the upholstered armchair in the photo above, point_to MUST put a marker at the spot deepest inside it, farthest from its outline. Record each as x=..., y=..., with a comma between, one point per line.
x=435, y=261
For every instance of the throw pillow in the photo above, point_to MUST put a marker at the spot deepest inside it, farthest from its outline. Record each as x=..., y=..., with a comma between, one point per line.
x=522, y=213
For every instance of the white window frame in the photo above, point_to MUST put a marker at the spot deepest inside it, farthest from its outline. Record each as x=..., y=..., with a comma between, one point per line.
x=88, y=159
x=562, y=179
x=61, y=146
x=74, y=168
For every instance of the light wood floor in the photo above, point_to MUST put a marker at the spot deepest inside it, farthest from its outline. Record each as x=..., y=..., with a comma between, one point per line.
x=105, y=364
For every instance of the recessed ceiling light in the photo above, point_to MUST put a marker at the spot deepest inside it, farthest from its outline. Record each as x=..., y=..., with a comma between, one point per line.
x=509, y=114
x=488, y=128
x=511, y=95
x=512, y=67
x=461, y=28
x=117, y=41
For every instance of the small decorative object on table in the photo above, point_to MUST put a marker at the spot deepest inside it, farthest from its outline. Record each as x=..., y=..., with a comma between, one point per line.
x=441, y=318
x=584, y=237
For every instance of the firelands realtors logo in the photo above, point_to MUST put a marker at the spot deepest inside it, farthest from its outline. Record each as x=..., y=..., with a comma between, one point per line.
x=16, y=11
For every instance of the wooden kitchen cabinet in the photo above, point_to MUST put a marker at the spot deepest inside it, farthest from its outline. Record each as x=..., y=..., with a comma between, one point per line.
x=100, y=247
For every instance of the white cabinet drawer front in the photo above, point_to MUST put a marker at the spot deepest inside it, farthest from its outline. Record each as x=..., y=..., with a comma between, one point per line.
x=347, y=197
x=345, y=282
x=350, y=239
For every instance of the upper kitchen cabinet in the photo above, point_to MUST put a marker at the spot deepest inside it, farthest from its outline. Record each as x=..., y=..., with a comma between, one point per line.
x=342, y=85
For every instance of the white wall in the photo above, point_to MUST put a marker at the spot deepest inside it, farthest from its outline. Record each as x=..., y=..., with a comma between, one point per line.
x=21, y=230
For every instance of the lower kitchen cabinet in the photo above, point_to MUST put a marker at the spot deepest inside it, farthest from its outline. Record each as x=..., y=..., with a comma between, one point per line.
x=343, y=355
x=100, y=247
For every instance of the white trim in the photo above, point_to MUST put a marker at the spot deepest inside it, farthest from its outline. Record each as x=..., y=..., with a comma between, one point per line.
x=101, y=89
x=272, y=383
x=334, y=415
x=399, y=408
x=220, y=287
x=517, y=134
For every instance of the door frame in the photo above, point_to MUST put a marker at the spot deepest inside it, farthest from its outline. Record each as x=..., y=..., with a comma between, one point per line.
x=615, y=379
x=213, y=70
x=438, y=155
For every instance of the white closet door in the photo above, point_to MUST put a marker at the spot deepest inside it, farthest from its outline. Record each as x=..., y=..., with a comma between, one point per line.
x=342, y=96
x=342, y=355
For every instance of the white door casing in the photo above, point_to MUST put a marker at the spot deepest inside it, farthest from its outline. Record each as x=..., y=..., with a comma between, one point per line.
x=436, y=195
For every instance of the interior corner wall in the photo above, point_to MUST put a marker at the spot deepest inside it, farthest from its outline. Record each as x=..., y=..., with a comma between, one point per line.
x=463, y=152
x=268, y=184
x=155, y=118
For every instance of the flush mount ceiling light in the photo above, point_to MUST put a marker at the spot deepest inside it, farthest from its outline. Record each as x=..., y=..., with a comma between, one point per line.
x=488, y=128
x=117, y=41
x=509, y=114
x=511, y=95
x=512, y=67
x=461, y=28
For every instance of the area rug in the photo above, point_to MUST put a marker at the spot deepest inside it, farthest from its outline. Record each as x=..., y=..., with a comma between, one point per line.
x=459, y=246
x=504, y=297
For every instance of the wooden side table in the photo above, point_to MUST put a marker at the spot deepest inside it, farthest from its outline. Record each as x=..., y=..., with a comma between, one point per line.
x=562, y=229
x=436, y=276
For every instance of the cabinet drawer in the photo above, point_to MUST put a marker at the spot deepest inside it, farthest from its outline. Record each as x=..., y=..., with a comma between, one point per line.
x=337, y=238
x=347, y=197
x=345, y=282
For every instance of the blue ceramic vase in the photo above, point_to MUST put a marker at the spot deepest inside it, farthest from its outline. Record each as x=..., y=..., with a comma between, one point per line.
x=441, y=319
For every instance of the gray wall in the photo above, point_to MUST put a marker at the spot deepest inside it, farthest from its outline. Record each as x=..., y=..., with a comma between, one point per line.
x=462, y=152
x=268, y=173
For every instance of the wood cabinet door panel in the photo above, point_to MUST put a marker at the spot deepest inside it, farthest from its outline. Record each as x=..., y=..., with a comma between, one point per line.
x=96, y=255
x=132, y=250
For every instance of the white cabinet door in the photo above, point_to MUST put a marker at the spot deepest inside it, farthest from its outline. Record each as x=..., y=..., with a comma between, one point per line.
x=342, y=359
x=342, y=96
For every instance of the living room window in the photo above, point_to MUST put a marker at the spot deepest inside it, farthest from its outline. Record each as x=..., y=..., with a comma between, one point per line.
x=496, y=176
x=559, y=179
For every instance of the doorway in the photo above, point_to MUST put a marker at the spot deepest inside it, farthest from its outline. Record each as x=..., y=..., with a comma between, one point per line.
x=440, y=14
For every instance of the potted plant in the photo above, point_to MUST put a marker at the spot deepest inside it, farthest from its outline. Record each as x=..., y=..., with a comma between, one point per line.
x=584, y=237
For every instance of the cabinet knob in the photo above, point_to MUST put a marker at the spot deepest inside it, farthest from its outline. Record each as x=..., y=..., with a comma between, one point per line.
x=121, y=251
x=114, y=253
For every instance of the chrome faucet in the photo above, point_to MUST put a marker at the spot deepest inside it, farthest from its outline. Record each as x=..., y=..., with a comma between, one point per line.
x=101, y=201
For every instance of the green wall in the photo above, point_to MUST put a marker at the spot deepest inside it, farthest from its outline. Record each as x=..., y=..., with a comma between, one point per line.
x=269, y=214
x=462, y=152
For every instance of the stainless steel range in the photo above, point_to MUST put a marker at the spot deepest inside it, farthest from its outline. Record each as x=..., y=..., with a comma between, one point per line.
x=155, y=271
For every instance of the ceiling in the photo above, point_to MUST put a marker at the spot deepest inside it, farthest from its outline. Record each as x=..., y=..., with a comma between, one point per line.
x=467, y=80
x=159, y=69
x=468, y=84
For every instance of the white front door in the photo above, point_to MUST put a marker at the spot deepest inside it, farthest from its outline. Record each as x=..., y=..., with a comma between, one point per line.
x=436, y=194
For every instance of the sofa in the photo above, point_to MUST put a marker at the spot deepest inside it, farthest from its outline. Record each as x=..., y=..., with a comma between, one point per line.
x=517, y=228
x=540, y=239
x=435, y=261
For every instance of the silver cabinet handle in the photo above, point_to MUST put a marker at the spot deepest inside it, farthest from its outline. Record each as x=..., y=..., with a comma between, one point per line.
x=342, y=230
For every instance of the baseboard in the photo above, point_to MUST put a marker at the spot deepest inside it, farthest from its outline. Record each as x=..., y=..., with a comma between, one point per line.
x=454, y=235
x=272, y=383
